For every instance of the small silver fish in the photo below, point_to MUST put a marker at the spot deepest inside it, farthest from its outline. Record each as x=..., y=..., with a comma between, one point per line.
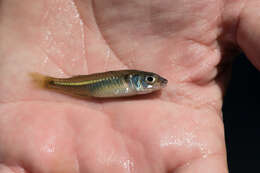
x=106, y=84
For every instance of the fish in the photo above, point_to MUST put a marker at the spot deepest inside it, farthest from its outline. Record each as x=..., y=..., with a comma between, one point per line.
x=110, y=84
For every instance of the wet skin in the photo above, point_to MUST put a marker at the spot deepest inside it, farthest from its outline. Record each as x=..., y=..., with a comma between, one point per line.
x=179, y=130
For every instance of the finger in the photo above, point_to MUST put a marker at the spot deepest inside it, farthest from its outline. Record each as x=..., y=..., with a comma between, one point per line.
x=248, y=31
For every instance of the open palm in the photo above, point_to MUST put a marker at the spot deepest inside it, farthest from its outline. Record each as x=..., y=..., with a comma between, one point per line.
x=179, y=130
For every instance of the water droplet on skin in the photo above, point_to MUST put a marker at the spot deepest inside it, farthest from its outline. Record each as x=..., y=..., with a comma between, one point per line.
x=128, y=165
x=188, y=140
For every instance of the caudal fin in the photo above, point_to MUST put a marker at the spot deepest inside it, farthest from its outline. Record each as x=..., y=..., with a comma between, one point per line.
x=41, y=80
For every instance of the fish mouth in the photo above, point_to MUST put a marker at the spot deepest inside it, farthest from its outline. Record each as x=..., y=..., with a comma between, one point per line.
x=163, y=82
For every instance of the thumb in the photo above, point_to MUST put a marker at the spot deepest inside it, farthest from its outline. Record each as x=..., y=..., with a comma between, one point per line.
x=248, y=31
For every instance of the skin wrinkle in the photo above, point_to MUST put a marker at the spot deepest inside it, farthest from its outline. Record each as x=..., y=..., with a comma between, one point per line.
x=103, y=110
x=126, y=135
x=195, y=159
x=77, y=160
x=193, y=103
x=54, y=101
x=211, y=106
x=25, y=166
x=199, y=157
x=55, y=45
x=208, y=44
x=126, y=64
x=129, y=137
x=45, y=16
x=103, y=36
x=105, y=114
x=83, y=36
x=61, y=69
x=120, y=162
x=82, y=16
x=124, y=143
x=50, y=57
x=43, y=101
x=143, y=144
x=201, y=43
x=202, y=81
x=211, y=47
x=109, y=48
x=167, y=99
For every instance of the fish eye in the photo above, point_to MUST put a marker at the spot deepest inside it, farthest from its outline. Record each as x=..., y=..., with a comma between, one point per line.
x=150, y=79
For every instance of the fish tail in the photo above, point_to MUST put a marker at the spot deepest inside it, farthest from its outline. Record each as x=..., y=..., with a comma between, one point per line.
x=41, y=80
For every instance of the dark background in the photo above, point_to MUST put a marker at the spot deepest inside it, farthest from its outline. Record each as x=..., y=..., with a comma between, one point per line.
x=241, y=112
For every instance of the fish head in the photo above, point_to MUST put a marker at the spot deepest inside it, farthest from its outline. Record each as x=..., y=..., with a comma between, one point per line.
x=147, y=82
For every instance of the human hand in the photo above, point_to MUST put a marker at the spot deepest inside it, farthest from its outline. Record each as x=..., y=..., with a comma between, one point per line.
x=179, y=130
